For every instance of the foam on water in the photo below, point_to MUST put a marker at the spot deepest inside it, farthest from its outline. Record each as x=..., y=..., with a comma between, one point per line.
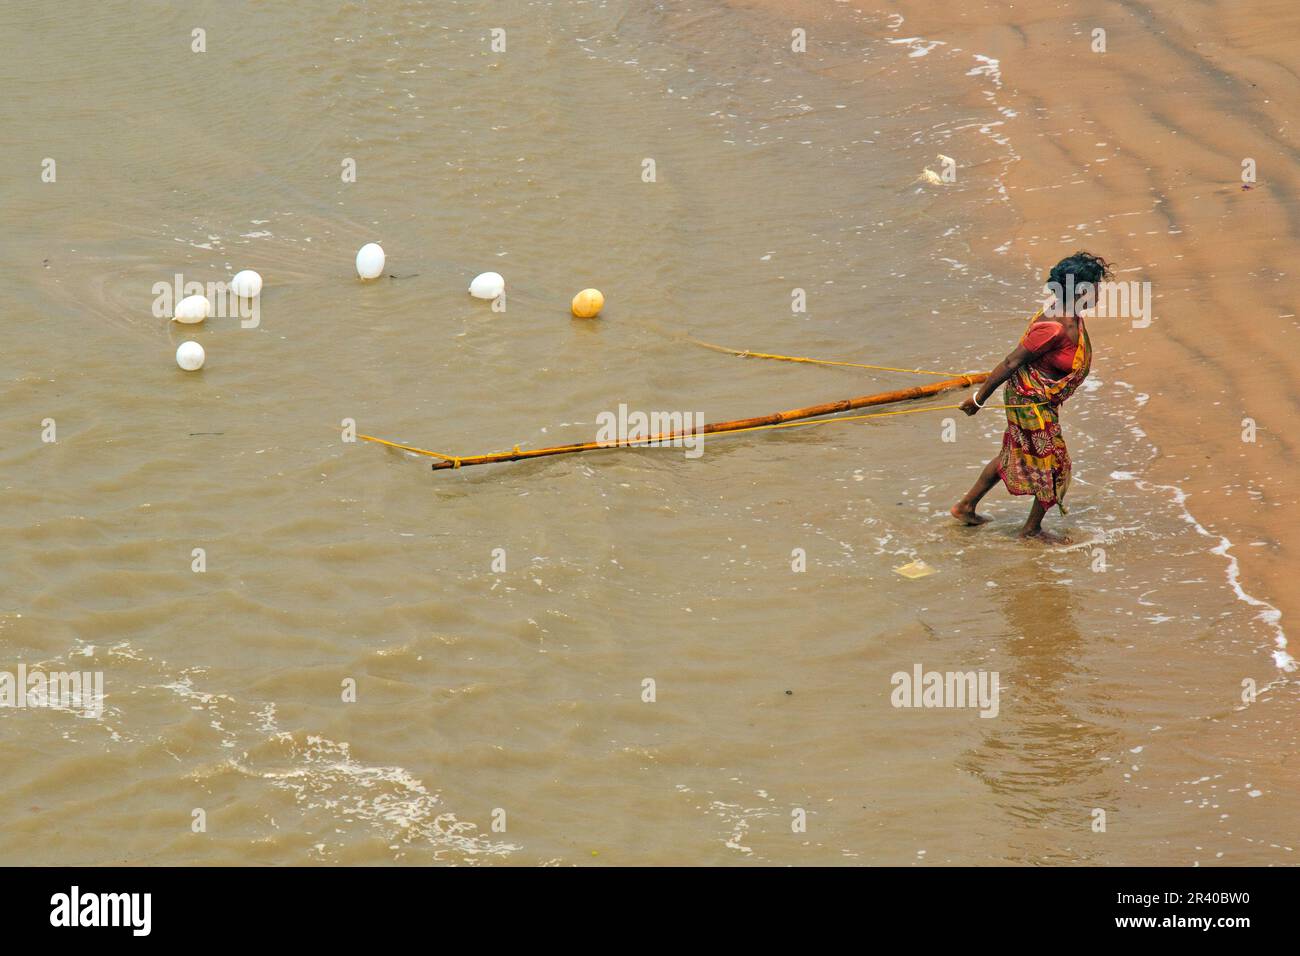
x=1266, y=613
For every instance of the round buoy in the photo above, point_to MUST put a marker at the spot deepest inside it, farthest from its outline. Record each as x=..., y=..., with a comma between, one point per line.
x=192, y=309
x=370, y=261
x=190, y=356
x=246, y=284
x=588, y=303
x=489, y=285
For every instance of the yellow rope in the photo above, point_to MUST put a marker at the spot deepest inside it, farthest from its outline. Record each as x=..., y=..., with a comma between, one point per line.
x=641, y=442
x=746, y=353
x=455, y=462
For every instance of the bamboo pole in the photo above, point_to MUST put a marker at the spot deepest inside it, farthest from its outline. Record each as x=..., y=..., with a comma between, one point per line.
x=776, y=418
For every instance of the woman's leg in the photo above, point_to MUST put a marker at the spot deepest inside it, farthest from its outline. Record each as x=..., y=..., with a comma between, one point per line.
x=964, y=510
x=1034, y=523
x=1033, y=527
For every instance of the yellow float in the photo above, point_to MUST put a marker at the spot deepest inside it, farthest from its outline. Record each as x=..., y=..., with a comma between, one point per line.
x=588, y=303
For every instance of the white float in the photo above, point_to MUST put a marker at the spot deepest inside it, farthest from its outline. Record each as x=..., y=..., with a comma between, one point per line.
x=246, y=284
x=192, y=309
x=489, y=285
x=190, y=356
x=370, y=261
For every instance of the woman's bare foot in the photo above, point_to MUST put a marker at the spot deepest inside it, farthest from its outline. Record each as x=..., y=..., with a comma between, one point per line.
x=1047, y=537
x=966, y=515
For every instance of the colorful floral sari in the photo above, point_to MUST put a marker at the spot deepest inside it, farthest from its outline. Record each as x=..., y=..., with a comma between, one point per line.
x=1034, y=459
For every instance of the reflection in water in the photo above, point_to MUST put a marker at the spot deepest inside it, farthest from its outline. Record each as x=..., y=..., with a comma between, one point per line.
x=1041, y=759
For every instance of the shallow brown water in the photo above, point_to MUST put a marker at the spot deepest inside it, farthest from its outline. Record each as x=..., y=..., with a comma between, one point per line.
x=521, y=689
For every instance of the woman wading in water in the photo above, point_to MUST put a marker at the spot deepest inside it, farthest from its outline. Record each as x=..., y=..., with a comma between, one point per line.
x=1050, y=362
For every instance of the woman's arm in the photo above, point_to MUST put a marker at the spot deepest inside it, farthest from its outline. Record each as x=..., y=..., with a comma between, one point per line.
x=1001, y=372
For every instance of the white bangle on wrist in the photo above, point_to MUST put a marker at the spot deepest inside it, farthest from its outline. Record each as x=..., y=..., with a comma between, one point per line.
x=975, y=397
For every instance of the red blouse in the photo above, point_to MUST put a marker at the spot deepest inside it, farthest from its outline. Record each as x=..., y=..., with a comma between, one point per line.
x=1050, y=348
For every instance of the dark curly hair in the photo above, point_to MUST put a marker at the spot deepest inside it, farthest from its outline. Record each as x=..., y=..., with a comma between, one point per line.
x=1080, y=272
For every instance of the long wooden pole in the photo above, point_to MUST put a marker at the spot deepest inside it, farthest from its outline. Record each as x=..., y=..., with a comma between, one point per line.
x=776, y=418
